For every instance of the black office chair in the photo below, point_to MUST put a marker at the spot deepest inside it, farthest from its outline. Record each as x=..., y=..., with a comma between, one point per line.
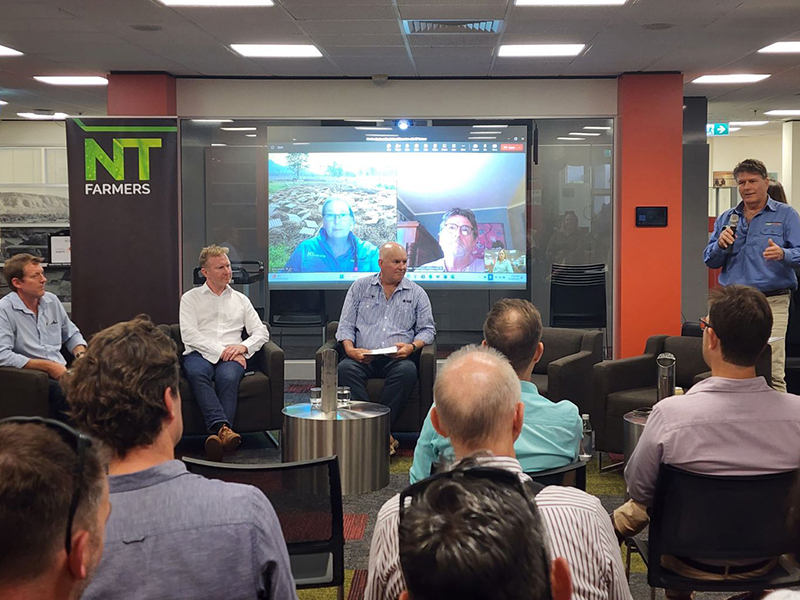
x=719, y=518
x=298, y=308
x=571, y=475
x=307, y=497
x=578, y=296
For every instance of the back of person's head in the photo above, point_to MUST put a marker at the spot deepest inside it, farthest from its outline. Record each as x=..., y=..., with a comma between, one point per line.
x=471, y=536
x=742, y=320
x=476, y=394
x=14, y=267
x=38, y=478
x=751, y=165
x=514, y=327
x=116, y=390
x=776, y=191
x=210, y=252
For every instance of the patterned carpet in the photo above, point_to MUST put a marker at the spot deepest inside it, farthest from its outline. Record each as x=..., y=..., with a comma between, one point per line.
x=361, y=510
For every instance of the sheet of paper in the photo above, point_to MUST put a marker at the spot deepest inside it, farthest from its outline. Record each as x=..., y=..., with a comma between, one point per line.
x=772, y=340
x=380, y=351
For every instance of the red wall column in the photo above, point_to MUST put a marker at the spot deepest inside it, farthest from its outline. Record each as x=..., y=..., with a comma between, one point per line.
x=649, y=138
x=141, y=95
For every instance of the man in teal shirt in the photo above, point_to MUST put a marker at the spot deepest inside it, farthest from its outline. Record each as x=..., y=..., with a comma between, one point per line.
x=551, y=431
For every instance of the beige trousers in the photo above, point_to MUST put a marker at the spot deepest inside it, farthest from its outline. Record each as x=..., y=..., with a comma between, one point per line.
x=780, y=321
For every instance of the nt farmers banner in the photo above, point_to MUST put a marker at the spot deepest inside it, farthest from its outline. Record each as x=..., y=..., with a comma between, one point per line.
x=124, y=220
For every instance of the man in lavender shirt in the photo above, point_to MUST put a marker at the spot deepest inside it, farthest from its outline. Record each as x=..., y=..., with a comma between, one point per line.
x=171, y=534
x=730, y=424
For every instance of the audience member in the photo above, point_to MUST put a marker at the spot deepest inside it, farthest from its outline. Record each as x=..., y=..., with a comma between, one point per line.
x=34, y=326
x=776, y=191
x=730, y=424
x=476, y=534
x=381, y=311
x=478, y=407
x=172, y=534
x=213, y=318
x=458, y=235
x=53, y=509
x=568, y=245
x=551, y=431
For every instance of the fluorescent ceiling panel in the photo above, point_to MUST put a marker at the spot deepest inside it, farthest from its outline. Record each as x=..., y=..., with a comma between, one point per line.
x=732, y=78
x=598, y=128
x=571, y=139
x=224, y=3
x=72, y=80
x=781, y=48
x=570, y=2
x=540, y=50
x=584, y=133
x=747, y=123
x=277, y=50
x=238, y=128
x=783, y=113
x=37, y=117
x=5, y=51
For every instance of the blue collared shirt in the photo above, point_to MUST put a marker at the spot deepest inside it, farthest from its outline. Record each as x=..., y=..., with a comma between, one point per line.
x=746, y=264
x=550, y=438
x=371, y=321
x=25, y=335
x=315, y=256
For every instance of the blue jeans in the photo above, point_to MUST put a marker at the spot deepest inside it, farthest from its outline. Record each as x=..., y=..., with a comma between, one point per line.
x=399, y=377
x=215, y=387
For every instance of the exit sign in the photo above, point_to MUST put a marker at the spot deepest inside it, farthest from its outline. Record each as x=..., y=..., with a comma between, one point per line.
x=717, y=129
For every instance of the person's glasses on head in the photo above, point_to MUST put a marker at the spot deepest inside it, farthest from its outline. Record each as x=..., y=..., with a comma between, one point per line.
x=78, y=442
x=462, y=229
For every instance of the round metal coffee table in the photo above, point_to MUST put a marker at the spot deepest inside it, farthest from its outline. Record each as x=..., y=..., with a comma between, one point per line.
x=358, y=434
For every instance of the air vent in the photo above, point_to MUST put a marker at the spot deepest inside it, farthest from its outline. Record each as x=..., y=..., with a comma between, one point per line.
x=415, y=26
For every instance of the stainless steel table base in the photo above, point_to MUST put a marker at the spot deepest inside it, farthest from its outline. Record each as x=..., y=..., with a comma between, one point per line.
x=359, y=435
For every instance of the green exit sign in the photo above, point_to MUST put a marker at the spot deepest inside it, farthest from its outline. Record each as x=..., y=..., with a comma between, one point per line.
x=717, y=129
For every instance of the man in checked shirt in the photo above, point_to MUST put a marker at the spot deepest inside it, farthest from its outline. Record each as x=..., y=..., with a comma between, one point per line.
x=380, y=311
x=478, y=407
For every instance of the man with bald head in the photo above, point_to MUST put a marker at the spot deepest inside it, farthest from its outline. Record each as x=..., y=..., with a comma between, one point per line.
x=383, y=310
x=478, y=407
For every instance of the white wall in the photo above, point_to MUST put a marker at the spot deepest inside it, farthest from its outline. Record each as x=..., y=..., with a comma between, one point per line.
x=726, y=152
x=33, y=133
x=360, y=98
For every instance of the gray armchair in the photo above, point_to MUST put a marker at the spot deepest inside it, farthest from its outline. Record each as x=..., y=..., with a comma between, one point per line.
x=565, y=370
x=260, y=394
x=623, y=385
x=415, y=411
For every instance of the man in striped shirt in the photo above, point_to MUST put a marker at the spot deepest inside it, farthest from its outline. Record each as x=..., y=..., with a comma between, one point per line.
x=478, y=407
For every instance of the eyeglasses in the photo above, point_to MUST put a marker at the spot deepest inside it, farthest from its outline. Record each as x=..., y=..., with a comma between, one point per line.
x=704, y=324
x=334, y=216
x=463, y=229
x=78, y=442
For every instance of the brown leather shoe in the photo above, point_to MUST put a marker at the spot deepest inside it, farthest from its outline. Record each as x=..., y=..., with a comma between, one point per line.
x=230, y=439
x=214, y=448
x=393, y=446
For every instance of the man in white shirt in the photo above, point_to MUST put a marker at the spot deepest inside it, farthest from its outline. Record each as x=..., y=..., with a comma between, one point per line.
x=213, y=318
x=478, y=407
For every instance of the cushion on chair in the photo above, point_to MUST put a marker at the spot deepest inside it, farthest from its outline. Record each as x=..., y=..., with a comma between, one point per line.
x=558, y=342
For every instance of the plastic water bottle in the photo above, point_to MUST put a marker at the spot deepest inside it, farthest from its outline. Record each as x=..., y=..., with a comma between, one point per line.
x=587, y=441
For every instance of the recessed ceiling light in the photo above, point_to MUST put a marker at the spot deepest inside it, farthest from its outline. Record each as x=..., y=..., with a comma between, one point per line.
x=3, y=102
x=597, y=127
x=5, y=51
x=59, y=116
x=570, y=2
x=70, y=80
x=217, y=2
x=571, y=139
x=212, y=120
x=783, y=113
x=219, y=144
x=540, y=50
x=732, y=129
x=489, y=126
x=277, y=50
x=748, y=123
x=733, y=78
x=239, y=128
x=584, y=133
x=781, y=48
x=250, y=135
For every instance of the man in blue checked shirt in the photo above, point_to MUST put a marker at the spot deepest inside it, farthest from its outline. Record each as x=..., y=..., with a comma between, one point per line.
x=34, y=326
x=762, y=252
x=380, y=311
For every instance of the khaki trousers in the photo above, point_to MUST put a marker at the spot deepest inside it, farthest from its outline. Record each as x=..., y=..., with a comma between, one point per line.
x=780, y=321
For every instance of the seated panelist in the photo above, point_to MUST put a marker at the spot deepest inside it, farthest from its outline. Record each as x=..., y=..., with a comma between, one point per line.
x=380, y=311
x=34, y=326
x=334, y=249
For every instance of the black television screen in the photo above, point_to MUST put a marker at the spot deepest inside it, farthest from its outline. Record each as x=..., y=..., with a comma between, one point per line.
x=454, y=197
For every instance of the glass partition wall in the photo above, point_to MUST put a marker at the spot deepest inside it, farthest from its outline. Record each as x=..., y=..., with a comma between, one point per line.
x=259, y=187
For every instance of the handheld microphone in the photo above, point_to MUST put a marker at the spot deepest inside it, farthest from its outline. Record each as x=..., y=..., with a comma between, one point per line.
x=733, y=223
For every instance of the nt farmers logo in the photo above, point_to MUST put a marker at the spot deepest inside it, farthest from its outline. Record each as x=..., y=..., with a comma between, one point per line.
x=115, y=165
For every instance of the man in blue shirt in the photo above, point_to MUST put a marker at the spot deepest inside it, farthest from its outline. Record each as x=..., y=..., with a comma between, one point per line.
x=762, y=252
x=334, y=249
x=551, y=431
x=34, y=326
x=383, y=310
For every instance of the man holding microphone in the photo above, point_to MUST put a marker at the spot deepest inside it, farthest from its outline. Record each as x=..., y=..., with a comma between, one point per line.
x=757, y=243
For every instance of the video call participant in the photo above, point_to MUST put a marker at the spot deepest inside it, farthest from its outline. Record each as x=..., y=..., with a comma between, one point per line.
x=172, y=534
x=34, y=326
x=212, y=318
x=379, y=311
x=503, y=263
x=458, y=234
x=334, y=249
x=53, y=510
x=765, y=252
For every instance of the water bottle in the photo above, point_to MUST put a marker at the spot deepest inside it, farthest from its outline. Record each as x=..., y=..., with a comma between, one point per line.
x=587, y=441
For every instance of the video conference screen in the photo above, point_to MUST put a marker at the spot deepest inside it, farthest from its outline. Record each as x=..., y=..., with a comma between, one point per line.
x=453, y=197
